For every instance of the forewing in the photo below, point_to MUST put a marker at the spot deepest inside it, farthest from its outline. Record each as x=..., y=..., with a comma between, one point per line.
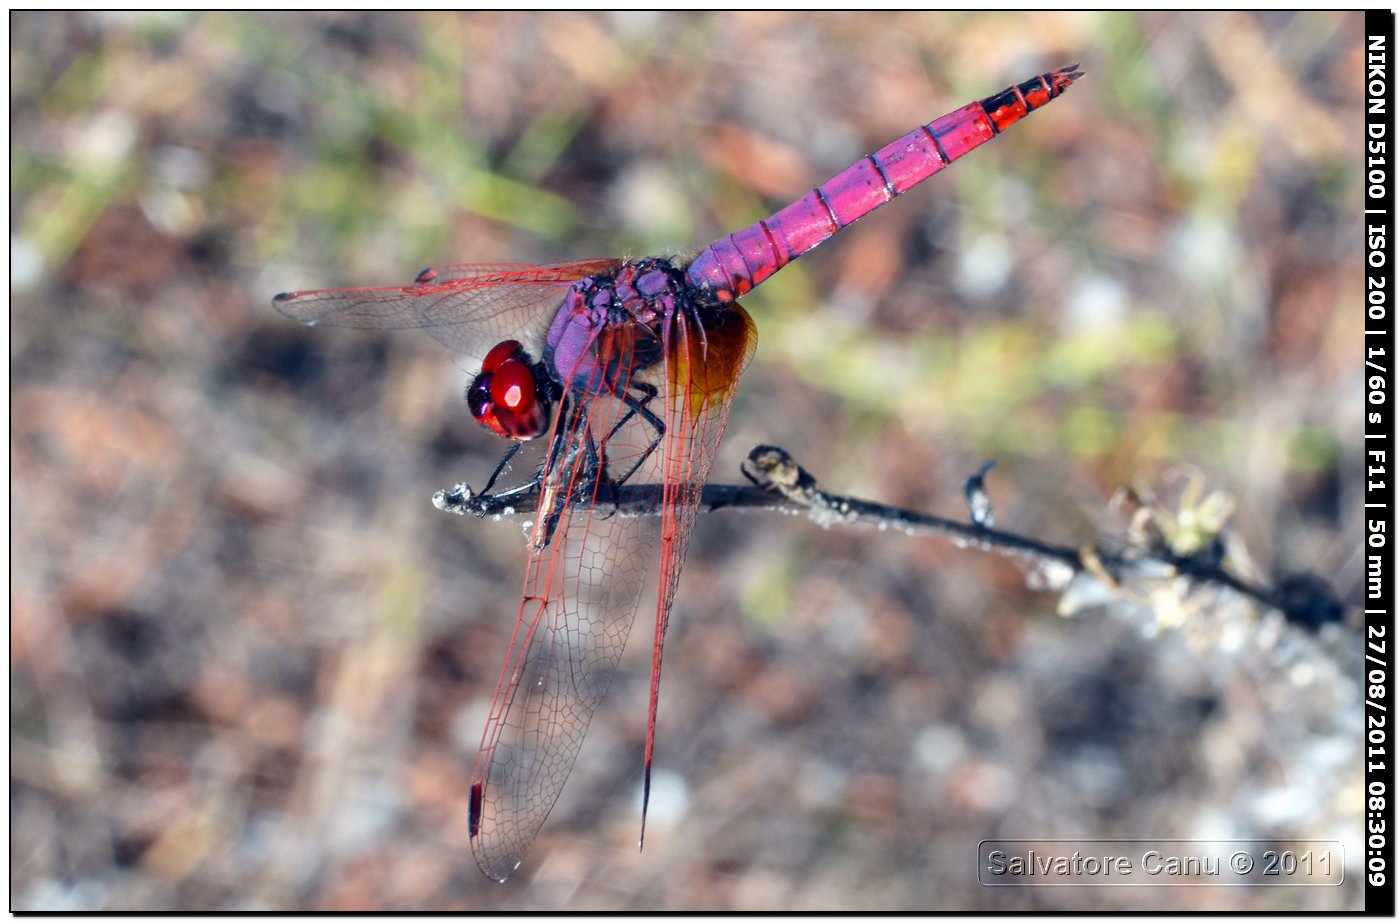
x=454, y=271
x=588, y=565
x=470, y=307
x=583, y=584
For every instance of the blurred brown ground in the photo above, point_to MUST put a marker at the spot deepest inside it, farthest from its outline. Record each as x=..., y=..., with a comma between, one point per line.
x=250, y=662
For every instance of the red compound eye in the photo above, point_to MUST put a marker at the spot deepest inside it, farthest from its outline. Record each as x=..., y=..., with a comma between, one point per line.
x=513, y=387
x=501, y=352
x=504, y=397
x=481, y=406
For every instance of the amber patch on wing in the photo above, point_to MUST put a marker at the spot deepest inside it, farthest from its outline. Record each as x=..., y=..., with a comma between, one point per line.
x=706, y=364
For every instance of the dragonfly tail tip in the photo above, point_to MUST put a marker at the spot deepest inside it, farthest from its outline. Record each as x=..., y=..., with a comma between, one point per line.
x=646, y=801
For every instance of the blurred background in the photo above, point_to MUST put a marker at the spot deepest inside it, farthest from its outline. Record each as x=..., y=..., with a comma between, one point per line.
x=250, y=663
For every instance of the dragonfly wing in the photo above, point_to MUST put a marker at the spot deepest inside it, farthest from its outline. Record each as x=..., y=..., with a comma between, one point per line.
x=578, y=268
x=702, y=368
x=583, y=583
x=589, y=565
x=468, y=313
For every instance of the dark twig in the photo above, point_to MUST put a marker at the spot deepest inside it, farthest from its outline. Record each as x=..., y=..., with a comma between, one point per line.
x=780, y=483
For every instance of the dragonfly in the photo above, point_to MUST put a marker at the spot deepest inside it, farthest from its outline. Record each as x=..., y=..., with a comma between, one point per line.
x=626, y=371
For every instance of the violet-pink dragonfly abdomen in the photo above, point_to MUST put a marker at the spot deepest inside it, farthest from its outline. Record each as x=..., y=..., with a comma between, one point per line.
x=733, y=265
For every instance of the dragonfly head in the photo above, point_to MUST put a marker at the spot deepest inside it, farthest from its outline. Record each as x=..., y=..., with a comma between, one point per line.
x=511, y=396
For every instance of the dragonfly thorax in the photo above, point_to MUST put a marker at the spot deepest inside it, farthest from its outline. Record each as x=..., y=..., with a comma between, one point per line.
x=611, y=325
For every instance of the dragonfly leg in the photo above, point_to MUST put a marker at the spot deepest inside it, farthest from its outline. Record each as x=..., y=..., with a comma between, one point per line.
x=501, y=466
x=634, y=407
x=638, y=407
x=562, y=458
